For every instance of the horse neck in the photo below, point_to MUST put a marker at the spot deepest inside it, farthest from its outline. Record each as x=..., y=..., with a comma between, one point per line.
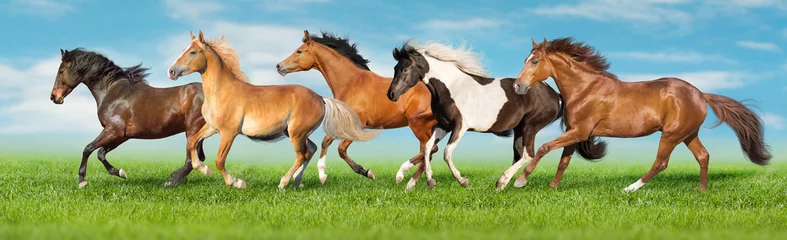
x=448, y=73
x=100, y=94
x=216, y=73
x=576, y=81
x=340, y=73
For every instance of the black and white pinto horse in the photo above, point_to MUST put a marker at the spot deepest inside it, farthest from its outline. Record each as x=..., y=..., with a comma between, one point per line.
x=465, y=99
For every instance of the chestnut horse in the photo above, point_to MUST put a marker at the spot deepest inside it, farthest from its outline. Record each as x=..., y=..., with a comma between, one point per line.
x=351, y=81
x=266, y=113
x=598, y=104
x=129, y=108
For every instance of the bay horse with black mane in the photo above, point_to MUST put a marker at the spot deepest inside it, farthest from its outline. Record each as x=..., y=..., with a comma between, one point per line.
x=598, y=104
x=265, y=113
x=351, y=81
x=129, y=108
x=465, y=99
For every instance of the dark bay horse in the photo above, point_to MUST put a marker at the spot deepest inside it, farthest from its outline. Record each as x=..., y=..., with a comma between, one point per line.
x=598, y=104
x=465, y=99
x=234, y=106
x=128, y=107
x=351, y=81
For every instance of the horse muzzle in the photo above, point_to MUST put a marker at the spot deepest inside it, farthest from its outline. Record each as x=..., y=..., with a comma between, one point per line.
x=521, y=89
x=392, y=95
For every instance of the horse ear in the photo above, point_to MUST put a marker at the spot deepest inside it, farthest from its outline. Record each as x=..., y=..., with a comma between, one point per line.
x=201, y=37
x=192, y=35
x=306, y=37
x=64, y=56
x=396, y=54
x=535, y=45
x=62, y=53
x=544, y=43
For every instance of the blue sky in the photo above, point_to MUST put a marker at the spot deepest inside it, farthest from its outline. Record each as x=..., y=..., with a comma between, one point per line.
x=733, y=48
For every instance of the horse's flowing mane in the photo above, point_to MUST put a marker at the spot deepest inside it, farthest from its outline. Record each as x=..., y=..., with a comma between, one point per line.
x=99, y=72
x=343, y=47
x=466, y=60
x=223, y=48
x=580, y=52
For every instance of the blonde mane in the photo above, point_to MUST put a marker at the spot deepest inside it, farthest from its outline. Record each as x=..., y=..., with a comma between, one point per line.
x=466, y=60
x=222, y=47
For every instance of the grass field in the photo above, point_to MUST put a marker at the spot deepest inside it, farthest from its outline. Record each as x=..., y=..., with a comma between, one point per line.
x=39, y=199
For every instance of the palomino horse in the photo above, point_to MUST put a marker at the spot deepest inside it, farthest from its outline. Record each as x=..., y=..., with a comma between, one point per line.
x=129, y=108
x=266, y=113
x=598, y=104
x=465, y=99
x=351, y=81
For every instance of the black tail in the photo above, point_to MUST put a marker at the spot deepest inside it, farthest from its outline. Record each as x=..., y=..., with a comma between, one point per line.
x=592, y=149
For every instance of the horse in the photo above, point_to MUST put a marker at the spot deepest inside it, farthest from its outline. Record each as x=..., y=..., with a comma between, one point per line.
x=351, y=82
x=129, y=108
x=465, y=99
x=599, y=104
x=264, y=113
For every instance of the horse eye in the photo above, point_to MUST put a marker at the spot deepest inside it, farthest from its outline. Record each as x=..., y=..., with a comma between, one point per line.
x=60, y=71
x=193, y=53
x=299, y=51
x=534, y=61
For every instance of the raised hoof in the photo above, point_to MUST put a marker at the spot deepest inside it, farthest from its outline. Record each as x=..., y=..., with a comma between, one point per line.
x=464, y=182
x=410, y=185
x=323, y=179
x=399, y=179
x=82, y=184
x=430, y=184
x=370, y=174
x=206, y=170
x=122, y=174
x=520, y=183
x=239, y=183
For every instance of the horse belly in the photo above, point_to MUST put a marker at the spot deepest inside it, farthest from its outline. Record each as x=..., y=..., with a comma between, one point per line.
x=480, y=111
x=262, y=127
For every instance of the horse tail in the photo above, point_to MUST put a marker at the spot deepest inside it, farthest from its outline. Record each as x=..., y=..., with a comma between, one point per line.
x=745, y=123
x=342, y=122
x=592, y=149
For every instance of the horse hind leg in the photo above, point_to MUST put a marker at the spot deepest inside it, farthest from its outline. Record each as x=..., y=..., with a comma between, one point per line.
x=343, y=145
x=301, y=152
x=102, y=156
x=311, y=148
x=666, y=145
x=105, y=137
x=321, y=165
x=702, y=156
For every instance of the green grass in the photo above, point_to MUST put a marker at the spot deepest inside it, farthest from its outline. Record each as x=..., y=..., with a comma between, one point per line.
x=39, y=199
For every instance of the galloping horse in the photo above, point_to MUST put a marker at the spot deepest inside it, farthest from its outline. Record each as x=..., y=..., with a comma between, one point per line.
x=265, y=113
x=351, y=81
x=465, y=99
x=129, y=108
x=598, y=104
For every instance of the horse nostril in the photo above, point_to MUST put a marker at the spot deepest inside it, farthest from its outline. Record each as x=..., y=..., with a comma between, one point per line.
x=277, y=66
x=390, y=95
x=172, y=72
x=52, y=97
x=516, y=87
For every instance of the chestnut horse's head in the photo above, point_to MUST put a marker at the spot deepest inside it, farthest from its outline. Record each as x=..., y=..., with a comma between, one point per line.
x=191, y=60
x=537, y=68
x=66, y=79
x=302, y=59
x=411, y=67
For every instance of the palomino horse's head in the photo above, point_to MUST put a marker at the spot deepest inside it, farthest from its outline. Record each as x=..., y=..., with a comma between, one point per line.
x=537, y=68
x=191, y=60
x=303, y=59
x=65, y=81
x=411, y=67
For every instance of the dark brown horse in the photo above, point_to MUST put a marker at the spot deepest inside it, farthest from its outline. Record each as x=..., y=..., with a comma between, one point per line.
x=598, y=104
x=128, y=107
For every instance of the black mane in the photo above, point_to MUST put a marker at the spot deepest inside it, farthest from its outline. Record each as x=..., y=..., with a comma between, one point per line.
x=343, y=46
x=98, y=71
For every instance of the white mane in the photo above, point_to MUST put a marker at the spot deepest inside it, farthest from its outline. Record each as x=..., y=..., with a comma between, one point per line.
x=466, y=60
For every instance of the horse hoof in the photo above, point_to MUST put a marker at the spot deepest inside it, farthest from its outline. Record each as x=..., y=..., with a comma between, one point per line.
x=206, y=170
x=702, y=189
x=323, y=178
x=168, y=184
x=520, y=183
x=410, y=185
x=500, y=186
x=280, y=189
x=122, y=174
x=464, y=182
x=399, y=179
x=553, y=186
x=370, y=174
x=430, y=184
x=82, y=184
x=239, y=183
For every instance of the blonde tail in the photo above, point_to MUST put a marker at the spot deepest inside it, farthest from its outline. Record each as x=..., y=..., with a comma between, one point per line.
x=342, y=122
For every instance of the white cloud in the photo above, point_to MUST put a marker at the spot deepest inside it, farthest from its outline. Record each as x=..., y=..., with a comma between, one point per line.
x=686, y=57
x=652, y=12
x=30, y=110
x=706, y=81
x=467, y=24
x=763, y=46
x=772, y=120
x=43, y=8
